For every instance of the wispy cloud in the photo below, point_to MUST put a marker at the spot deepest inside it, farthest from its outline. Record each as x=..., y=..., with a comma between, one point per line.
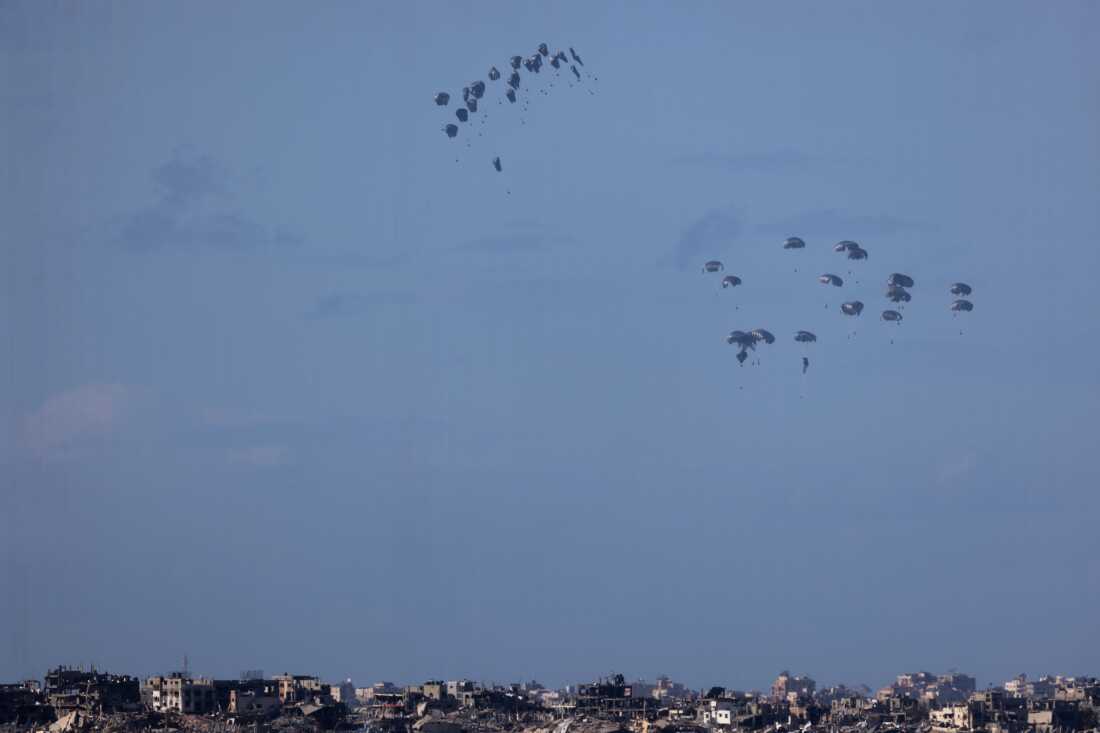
x=194, y=207
x=352, y=304
x=706, y=237
x=758, y=162
x=840, y=224
x=68, y=418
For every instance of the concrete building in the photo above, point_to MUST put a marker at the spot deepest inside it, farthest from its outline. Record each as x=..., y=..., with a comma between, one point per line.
x=785, y=684
x=249, y=702
x=300, y=688
x=88, y=691
x=181, y=694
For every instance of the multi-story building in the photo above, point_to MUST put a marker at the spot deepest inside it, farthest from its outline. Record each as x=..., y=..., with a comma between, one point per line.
x=249, y=702
x=69, y=690
x=297, y=688
x=176, y=692
x=785, y=685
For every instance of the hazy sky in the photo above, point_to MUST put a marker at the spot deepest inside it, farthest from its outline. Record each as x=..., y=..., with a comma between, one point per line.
x=287, y=387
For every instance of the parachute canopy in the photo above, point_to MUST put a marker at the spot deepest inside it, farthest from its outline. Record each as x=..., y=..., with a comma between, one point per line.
x=891, y=316
x=494, y=74
x=805, y=337
x=451, y=130
x=462, y=114
x=962, y=305
x=844, y=246
x=961, y=289
x=794, y=243
x=899, y=280
x=713, y=266
x=897, y=294
x=731, y=281
x=741, y=339
x=851, y=308
x=759, y=334
x=857, y=253
x=477, y=89
x=442, y=98
x=496, y=163
x=829, y=279
x=516, y=61
x=575, y=56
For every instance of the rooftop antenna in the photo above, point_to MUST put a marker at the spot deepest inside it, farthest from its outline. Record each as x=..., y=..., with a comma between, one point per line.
x=186, y=665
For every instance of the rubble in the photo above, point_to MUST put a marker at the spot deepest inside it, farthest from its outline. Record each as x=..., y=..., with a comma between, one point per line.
x=83, y=701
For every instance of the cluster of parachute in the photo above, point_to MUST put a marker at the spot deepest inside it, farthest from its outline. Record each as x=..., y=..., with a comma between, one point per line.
x=473, y=94
x=898, y=287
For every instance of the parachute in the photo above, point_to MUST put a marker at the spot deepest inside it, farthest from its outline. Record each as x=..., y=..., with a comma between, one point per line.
x=471, y=104
x=493, y=73
x=511, y=95
x=805, y=337
x=851, y=308
x=962, y=306
x=575, y=56
x=442, y=98
x=544, y=49
x=760, y=334
x=897, y=280
x=575, y=72
x=828, y=279
x=477, y=89
x=961, y=289
x=462, y=114
x=451, y=130
x=731, y=281
x=741, y=339
x=713, y=266
x=857, y=253
x=898, y=294
x=496, y=163
x=794, y=243
x=516, y=61
x=513, y=80
x=845, y=245
x=891, y=316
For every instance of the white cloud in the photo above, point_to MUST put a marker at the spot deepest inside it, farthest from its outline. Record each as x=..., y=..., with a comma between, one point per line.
x=64, y=420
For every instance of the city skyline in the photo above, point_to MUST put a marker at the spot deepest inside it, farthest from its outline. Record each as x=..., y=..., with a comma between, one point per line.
x=292, y=377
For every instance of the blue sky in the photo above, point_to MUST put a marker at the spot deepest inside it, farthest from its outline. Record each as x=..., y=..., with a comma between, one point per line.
x=288, y=386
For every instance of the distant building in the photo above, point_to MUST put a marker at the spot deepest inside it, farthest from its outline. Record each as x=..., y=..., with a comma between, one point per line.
x=1042, y=688
x=71, y=690
x=300, y=688
x=434, y=689
x=785, y=685
x=191, y=696
x=249, y=703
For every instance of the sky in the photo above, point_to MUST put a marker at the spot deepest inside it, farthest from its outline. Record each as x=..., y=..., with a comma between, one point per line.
x=292, y=381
